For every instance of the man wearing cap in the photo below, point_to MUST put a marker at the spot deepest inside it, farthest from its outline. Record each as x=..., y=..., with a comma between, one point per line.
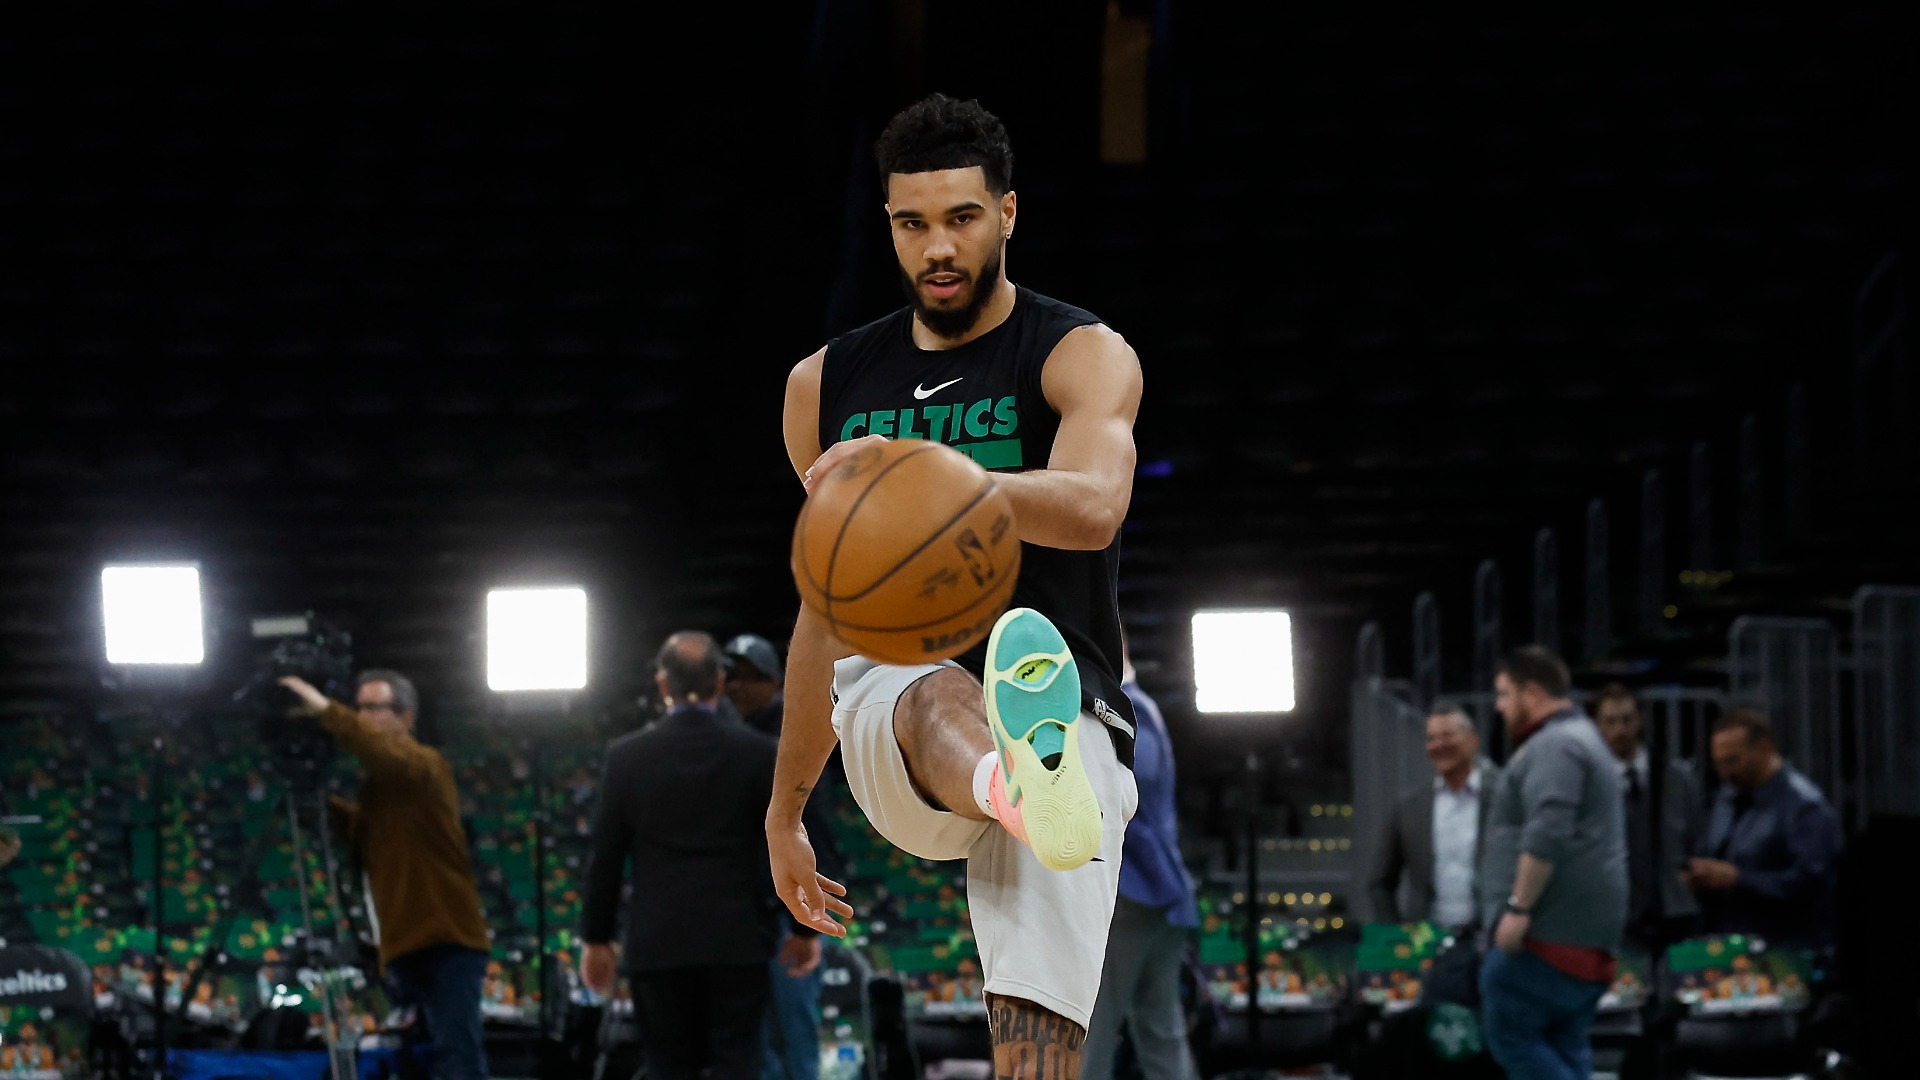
x=753, y=681
x=791, y=1032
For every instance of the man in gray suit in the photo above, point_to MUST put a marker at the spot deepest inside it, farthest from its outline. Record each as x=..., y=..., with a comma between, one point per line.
x=1660, y=908
x=1431, y=851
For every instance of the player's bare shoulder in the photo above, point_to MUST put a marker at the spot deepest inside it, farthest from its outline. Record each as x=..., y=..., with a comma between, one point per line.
x=1092, y=359
x=800, y=415
x=1097, y=336
x=806, y=374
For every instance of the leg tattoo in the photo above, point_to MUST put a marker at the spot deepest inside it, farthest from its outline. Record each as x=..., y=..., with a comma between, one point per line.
x=1031, y=1042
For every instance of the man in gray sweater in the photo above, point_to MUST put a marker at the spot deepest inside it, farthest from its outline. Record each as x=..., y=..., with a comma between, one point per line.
x=1554, y=875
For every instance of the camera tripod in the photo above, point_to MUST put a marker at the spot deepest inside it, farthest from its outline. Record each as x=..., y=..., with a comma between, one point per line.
x=340, y=1043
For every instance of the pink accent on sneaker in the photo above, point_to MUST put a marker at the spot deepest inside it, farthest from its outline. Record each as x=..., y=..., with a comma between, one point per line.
x=1008, y=813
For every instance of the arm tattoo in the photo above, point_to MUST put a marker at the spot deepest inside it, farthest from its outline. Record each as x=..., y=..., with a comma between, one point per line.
x=1032, y=1043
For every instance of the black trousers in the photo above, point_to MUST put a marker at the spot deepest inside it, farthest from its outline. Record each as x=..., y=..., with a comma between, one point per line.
x=698, y=1018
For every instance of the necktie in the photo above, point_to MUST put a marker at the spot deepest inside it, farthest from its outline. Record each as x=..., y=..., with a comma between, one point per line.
x=1642, y=900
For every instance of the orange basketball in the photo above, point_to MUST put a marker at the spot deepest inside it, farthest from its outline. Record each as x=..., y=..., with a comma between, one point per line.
x=907, y=550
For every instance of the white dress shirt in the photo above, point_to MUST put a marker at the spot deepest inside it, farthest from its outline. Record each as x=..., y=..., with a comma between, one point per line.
x=1638, y=767
x=1456, y=840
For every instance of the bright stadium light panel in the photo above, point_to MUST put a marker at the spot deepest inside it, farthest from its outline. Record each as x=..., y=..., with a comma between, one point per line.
x=152, y=614
x=536, y=639
x=1242, y=661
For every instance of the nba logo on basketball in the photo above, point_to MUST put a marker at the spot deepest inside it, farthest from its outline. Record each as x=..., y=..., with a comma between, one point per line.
x=975, y=552
x=879, y=549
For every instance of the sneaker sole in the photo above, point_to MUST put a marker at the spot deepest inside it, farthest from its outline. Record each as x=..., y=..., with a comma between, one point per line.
x=1057, y=806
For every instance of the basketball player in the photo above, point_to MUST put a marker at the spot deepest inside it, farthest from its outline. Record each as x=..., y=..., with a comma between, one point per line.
x=1016, y=757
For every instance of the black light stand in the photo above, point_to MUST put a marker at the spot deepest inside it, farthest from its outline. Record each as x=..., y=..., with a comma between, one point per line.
x=174, y=678
x=537, y=767
x=156, y=795
x=159, y=913
x=1255, y=904
x=532, y=667
x=156, y=792
x=536, y=764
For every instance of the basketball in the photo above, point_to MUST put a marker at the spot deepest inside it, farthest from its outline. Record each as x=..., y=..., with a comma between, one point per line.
x=907, y=550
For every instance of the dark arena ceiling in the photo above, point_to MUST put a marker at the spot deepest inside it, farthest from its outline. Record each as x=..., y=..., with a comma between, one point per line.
x=369, y=313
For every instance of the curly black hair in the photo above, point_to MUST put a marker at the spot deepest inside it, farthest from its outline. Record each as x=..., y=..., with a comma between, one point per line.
x=940, y=132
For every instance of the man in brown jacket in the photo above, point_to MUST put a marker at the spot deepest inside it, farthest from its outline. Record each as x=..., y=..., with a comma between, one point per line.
x=406, y=834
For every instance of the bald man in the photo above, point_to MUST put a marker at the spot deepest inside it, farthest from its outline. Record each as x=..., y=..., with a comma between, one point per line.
x=1426, y=868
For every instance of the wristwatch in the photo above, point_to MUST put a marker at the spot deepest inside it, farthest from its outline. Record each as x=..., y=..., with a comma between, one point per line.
x=1515, y=907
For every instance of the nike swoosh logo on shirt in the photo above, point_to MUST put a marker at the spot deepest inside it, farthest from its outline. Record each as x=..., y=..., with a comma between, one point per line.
x=921, y=393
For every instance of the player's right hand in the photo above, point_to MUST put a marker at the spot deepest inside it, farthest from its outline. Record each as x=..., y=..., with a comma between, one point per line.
x=811, y=897
x=836, y=454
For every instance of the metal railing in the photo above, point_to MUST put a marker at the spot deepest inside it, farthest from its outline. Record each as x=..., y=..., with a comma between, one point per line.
x=1388, y=744
x=1883, y=386
x=1489, y=636
x=1886, y=698
x=1790, y=669
x=1679, y=722
x=1546, y=589
x=1598, y=637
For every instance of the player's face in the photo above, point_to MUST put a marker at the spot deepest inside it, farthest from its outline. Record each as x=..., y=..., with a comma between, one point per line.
x=948, y=235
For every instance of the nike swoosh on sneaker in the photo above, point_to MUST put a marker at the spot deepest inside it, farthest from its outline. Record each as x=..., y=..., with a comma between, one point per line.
x=921, y=393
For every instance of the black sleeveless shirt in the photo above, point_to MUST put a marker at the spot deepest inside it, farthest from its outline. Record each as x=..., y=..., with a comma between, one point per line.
x=984, y=399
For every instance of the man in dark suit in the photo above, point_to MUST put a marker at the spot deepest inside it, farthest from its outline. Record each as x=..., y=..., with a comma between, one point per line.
x=1432, y=843
x=792, y=1033
x=1660, y=909
x=684, y=801
x=1766, y=865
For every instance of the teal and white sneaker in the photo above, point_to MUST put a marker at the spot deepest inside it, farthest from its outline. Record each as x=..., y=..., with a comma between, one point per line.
x=1040, y=790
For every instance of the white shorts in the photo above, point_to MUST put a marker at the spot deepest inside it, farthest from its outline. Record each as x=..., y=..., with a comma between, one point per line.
x=1042, y=933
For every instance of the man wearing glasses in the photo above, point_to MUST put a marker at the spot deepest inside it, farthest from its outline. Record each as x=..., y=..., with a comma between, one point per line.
x=405, y=832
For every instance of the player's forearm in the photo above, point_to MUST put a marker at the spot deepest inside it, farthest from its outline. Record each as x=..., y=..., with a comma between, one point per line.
x=806, y=725
x=1055, y=508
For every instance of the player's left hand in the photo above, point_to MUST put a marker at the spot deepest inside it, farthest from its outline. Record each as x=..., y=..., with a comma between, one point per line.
x=1510, y=937
x=836, y=454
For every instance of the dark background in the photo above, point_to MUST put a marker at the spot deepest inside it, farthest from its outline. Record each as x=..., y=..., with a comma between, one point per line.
x=369, y=310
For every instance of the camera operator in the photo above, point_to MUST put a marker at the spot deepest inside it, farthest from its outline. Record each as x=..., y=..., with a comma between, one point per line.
x=406, y=834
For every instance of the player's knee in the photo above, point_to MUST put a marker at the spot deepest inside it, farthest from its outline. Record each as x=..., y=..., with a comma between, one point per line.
x=935, y=699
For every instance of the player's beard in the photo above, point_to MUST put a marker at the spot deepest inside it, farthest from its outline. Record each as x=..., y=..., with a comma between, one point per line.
x=958, y=321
